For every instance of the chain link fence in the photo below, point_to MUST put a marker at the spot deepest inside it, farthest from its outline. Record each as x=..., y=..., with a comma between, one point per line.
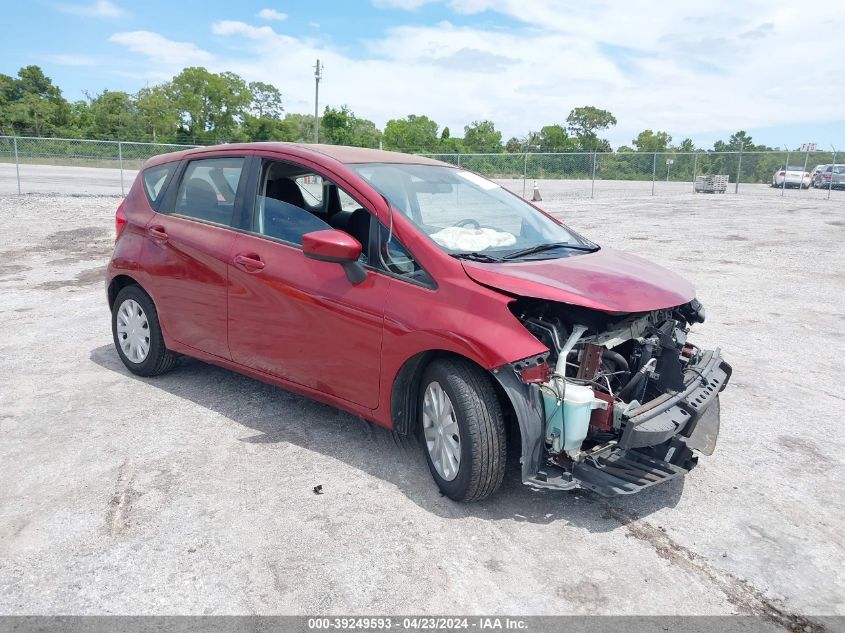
x=86, y=167
x=638, y=173
x=74, y=166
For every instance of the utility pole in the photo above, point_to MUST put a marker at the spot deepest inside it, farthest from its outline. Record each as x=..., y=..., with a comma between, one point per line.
x=318, y=75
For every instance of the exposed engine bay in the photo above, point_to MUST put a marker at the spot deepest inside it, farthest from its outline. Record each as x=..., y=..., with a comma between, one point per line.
x=622, y=394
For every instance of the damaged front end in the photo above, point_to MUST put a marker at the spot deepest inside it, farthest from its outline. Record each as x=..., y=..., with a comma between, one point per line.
x=619, y=403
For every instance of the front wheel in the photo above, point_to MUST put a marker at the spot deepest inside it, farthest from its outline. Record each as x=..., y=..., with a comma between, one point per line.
x=463, y=430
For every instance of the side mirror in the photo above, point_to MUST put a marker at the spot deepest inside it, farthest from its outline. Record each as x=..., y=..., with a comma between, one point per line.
x=332, y=245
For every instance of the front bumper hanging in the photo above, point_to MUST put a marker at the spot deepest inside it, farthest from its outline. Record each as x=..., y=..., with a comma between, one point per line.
x=656, y=443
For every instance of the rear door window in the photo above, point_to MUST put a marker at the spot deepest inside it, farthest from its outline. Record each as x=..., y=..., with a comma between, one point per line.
x=208, y=188
x=155, y=178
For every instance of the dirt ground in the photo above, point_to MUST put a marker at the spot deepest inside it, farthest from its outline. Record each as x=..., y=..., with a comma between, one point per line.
x=193, y=492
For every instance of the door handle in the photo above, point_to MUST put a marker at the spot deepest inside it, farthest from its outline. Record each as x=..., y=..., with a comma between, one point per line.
x=250, y=262
x=158, y=233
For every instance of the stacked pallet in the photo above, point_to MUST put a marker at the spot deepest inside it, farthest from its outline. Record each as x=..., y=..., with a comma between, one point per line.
x=711, y=184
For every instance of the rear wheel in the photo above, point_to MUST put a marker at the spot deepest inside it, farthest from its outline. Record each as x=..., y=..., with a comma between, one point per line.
x=462, y=429
x=137, y=334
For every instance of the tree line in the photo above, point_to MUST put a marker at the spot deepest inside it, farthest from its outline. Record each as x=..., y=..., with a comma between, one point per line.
x=201, y=107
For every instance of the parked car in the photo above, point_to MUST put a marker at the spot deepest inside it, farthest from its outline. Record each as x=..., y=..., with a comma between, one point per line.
x=794, y=175
x=816, y=175
x=833, y=177
x=425, y=299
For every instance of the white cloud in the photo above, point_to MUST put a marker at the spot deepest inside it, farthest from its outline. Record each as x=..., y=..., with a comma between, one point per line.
x=235, y=27
x=679, y=69
x=405, y=5
x=271, y=14
x=96, y=9
x=160, y=50
x=71, y=59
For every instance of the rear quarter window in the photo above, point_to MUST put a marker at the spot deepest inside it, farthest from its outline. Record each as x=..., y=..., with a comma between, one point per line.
x=155, y=179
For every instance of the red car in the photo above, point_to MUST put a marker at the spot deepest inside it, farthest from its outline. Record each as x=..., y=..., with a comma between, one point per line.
x=423, y=298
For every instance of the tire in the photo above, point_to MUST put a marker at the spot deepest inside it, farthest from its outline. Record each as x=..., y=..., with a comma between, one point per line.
x=481, y=444
x=126, y=319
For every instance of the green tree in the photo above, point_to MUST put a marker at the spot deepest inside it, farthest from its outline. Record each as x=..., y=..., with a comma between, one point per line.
x=158, y=114
x=113, y=115
x=483, y=137
x=648, y=141
x=189, y=94
x=297, y=128
x=413, y=133
x=263, y=121
x=31, y=105
x=255, y=128
x=553, y=138
x=737, y=141
x=342, y=127
x=514, y=146
x=586, y=122
x=366, y=134
x=79, y=120
x=210, y=106
x=231, y=101
x=266, y=101
x=686, y=145
x=8, y=95
x=449, y=144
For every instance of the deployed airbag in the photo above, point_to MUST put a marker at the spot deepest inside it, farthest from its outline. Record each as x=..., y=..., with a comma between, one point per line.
x=472, y=240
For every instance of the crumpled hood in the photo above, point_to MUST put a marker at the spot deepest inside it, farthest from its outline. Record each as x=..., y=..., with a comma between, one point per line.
x=607, y=280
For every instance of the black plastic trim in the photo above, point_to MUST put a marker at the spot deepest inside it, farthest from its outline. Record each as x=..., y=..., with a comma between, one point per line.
x=528, y=407
x=659, y=420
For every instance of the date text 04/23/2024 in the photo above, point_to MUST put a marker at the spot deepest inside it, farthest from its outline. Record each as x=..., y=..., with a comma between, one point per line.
x=426, y=623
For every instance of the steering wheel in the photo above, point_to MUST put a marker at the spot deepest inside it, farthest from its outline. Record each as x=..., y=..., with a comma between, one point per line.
x=467, y=221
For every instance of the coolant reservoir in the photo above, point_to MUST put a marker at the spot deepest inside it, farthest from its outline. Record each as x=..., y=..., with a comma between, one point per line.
x=567, y=425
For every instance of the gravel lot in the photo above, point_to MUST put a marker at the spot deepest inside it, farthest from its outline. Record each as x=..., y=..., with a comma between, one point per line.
x=192, y=492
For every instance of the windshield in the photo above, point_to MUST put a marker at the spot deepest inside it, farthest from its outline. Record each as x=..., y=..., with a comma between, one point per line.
x=464, y=213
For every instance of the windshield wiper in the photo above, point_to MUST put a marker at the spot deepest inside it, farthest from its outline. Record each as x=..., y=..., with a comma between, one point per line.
x=476, y=257
x=539, y=248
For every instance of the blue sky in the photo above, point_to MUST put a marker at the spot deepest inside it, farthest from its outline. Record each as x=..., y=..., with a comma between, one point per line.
x=691, y=71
